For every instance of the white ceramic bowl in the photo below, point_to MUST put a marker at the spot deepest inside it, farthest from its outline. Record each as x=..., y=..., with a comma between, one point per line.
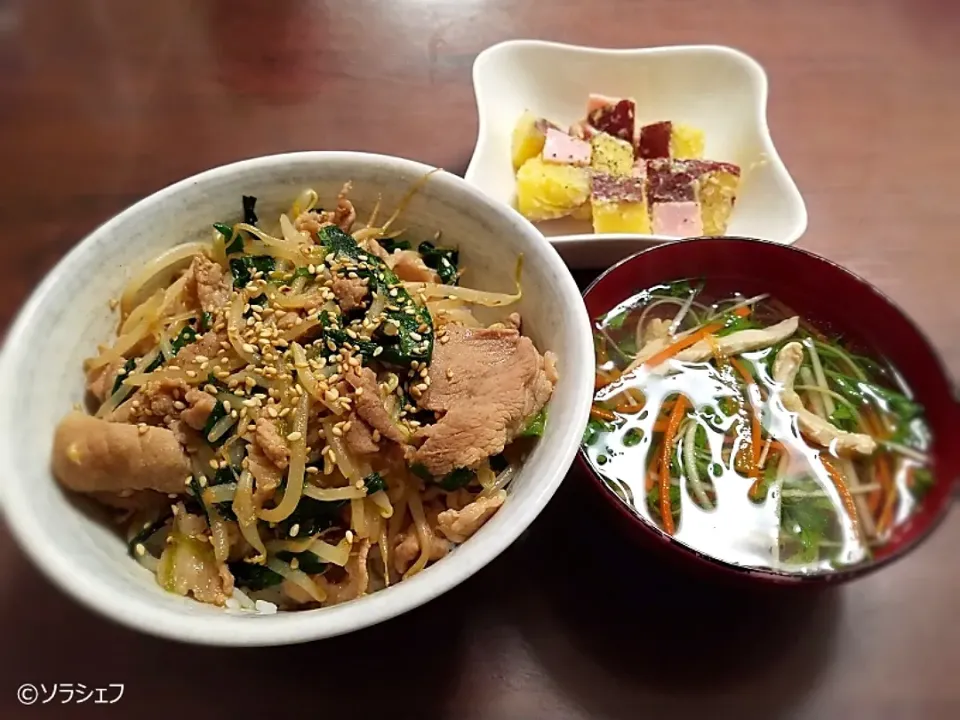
x=718, y=89
x=68, y=315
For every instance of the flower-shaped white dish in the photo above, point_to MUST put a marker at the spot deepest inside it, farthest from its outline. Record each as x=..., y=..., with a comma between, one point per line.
x=718, y=89
x=67, y=316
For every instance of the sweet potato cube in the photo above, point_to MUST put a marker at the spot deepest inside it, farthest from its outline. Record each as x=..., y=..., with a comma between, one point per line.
x=671, y=181
x=686, y=142
x=619, y=204
x=546, y=191
x=611, y=155
x=527, y=141
x=717, y=187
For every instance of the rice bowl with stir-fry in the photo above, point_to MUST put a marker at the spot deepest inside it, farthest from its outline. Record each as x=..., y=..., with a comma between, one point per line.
x=303, y=413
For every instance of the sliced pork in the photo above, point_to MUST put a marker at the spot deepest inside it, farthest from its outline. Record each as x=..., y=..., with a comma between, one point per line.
x=486, y=383
x=369, y=404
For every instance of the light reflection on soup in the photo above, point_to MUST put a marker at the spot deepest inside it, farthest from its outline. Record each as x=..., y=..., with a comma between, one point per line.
x=746, y=433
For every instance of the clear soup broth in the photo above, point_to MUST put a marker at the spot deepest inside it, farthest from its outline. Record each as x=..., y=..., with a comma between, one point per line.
x=751, y=435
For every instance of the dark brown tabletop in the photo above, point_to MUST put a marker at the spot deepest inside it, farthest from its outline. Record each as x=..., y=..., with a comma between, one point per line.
x=105, y=101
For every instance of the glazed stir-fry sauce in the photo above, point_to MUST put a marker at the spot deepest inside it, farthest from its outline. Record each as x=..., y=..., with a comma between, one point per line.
x=737, y=427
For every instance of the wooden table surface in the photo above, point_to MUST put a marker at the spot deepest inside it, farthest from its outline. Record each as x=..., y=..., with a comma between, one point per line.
x=105, y=101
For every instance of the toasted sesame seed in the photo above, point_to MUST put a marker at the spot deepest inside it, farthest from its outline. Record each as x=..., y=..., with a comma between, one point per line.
x=422, y=387
x=349, y=536
x=202, y=481
x=417, y=337
x=377, y=350
x=214, y=464
x=331, y=395
x=272, y=411
x=294, y=436
x=375, y=435
x=445, y=339
x=294, y=530
x=247, y=347
x=191, y=373
x=284, y=412
x=449, y=373
x=177, y=405
x=141, y=550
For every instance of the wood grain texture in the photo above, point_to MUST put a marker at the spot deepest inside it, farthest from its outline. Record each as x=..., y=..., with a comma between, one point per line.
x=105, y=101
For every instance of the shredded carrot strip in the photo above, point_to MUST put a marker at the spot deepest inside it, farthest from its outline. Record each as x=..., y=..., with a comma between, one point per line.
x=599, y=413
x=755, y=430
x=660, y=426
x=742, y=312
x=682, y=344
x=679, y=410
x=888, y=489
x=845, y=495
x=890, y=500
x=629, y=408
x=603, y=379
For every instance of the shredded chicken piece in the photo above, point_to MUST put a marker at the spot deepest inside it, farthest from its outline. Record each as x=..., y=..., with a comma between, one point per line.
x=359, y=438
x=815, y=428
x=201, y=405
x=733, y=344
x=272, y=443
x=310, y=221
x=358, y=578
x=370, y=406
x=209, y=283
x=657, y=329
x=409, y=267
x=375, y=248
x=100, y=380
x=459, y=525
x=345, y=214
x=407, y=549
x=350, y=292
x=267, y=475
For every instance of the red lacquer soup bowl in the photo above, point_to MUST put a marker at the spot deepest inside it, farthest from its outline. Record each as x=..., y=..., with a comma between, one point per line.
x=830, y=297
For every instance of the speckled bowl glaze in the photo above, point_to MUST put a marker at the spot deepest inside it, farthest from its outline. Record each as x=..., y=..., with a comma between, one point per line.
x=68, y=315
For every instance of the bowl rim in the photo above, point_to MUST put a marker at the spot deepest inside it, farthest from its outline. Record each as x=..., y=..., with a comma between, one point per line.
x=228, y=629
x=706, y=560
x=761, y=84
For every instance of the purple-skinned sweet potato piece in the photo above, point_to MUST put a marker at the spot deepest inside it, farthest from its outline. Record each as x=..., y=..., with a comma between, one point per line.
x=670, y=181
x=654, y=140
x=614, y=117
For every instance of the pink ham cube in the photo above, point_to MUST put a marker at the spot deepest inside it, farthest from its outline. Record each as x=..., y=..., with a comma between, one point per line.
x=677, y=219
x=613, y=116
x=563, y=149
